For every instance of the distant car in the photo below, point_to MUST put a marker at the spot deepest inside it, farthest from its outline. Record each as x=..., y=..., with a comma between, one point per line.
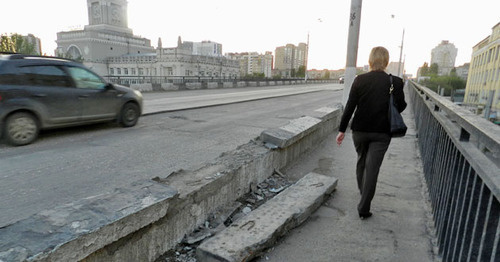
x=38, y=92
x=341, y=80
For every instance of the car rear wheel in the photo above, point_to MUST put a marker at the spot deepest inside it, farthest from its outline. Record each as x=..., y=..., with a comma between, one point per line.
x=129, y=115
x=21, y=129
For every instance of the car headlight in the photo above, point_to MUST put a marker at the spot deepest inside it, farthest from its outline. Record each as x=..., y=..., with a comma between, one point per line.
x=138, y=93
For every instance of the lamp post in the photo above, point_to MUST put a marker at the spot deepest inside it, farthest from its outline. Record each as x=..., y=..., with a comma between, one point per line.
x=401, y=54
x=352, y=48
x=307, y=58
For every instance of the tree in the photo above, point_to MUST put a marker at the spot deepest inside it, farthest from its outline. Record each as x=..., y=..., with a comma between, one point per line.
x=424, y=71
x=448, y=83
x=327, y=75
x=301, y=72
x=434, y=69
x=17, y=43
x=6, y=44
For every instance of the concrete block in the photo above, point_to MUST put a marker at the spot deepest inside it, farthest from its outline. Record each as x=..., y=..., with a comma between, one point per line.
x=249, y=236
x=291, y=133
x=73, y=231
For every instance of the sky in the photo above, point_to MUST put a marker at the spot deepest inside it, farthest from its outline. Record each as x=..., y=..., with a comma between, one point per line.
x=263, y=25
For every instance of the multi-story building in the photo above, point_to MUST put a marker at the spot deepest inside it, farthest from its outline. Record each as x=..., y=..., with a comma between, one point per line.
x=444, y=56
x=109, y=47
x=483, y=82
x=107, y=34
x=463, y=71
x=254, y=63
x=289, y=58
x=179, y=61
x=35, y=41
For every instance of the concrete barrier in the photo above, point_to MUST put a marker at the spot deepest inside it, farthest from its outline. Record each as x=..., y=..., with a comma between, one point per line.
x=156, y=215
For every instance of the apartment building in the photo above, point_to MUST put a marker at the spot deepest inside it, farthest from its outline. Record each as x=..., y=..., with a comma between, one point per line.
x=444, y=56
x=289, y=58
x=483, y=82
x=254, y=63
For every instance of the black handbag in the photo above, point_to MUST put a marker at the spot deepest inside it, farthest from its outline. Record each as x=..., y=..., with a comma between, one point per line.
x=398, y=126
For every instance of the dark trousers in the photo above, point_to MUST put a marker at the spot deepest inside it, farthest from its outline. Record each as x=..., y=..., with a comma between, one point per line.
x=371, y=148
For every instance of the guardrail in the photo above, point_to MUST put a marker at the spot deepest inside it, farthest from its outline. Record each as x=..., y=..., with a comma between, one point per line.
x=160, y=83
x=461, y=157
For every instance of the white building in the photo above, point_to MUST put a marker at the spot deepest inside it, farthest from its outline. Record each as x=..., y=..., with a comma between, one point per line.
x=107, y=34
x=109, y=47
x=444, y=56
x=254, y=63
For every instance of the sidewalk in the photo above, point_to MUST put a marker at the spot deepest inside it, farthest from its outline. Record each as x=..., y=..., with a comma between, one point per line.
x=399, y=227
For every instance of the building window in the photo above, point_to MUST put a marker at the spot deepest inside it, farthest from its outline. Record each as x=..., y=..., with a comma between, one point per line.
x=125, y=71
x=111, y=71
x=118, y=71
x=133, y=71
x=141, y=71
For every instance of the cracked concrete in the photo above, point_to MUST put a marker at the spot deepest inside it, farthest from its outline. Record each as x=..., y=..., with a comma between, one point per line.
x=401, y=227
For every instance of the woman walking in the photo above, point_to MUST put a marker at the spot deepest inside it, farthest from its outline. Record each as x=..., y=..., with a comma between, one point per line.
x=369, y=101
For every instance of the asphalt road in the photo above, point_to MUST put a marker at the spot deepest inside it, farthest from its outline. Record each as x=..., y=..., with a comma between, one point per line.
x=66, y=165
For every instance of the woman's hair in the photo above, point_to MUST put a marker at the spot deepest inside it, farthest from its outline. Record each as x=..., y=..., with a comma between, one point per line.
x=379, y=59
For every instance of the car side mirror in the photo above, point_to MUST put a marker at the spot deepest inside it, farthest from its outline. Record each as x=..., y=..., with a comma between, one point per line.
x=109, y=86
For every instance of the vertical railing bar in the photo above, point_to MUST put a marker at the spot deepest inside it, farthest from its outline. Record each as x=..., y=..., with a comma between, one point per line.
x=469, y=226
x=444, y=186
x=483, y=235
x=438, y=177
x=477, y=218
x=463, y=213
x=496, y=250
x=445, y=205
x=456, y=200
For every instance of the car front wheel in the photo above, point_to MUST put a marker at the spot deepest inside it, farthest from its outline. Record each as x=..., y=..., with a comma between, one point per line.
x=129, y=115
x=21, y=129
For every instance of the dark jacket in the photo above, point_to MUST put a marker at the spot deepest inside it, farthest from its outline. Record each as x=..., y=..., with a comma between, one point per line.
x=369, y=96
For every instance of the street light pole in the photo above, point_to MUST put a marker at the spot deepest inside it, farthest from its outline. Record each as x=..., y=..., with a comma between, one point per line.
x=401, y=54
x=307, y=58
x=352, y=48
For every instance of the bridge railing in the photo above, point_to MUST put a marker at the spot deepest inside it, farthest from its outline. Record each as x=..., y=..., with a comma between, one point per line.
x=461, y=158
x=130, y=80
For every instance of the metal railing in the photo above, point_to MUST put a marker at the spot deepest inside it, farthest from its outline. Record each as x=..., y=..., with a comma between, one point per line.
x=179, y=80
x=461, y=157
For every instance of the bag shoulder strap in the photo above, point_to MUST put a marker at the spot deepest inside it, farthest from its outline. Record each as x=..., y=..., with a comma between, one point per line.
x=392, y=86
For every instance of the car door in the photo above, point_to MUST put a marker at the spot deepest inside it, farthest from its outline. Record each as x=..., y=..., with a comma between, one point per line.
x=98, y=102
x=49, y=90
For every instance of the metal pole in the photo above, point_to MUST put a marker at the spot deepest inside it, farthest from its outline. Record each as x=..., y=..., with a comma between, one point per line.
x=352, y=48
x=489, y=104
x=401, y=54
x=307, y=58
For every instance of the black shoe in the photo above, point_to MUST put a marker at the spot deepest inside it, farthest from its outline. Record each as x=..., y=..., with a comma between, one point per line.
x=364, y=216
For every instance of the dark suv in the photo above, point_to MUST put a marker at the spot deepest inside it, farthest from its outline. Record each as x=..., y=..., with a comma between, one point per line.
x=38, y=92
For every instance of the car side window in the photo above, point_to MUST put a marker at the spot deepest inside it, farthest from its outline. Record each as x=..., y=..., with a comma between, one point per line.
x=86, y=79
x=43, y=75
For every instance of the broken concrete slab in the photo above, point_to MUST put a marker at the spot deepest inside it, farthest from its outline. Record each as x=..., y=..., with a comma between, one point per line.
x=250, y=235
x=289, y=134
x=324, y=120
x=75, y=230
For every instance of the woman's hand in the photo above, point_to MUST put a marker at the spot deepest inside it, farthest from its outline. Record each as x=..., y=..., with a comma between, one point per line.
x=340, y=138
